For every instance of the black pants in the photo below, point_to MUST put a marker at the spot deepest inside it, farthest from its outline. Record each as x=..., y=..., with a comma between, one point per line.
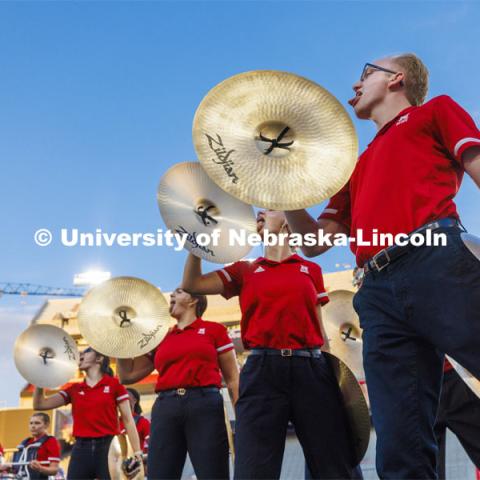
x=423, y=305
x=460, y=412
x=274, y=390
x=89, y=459
x=193, y=423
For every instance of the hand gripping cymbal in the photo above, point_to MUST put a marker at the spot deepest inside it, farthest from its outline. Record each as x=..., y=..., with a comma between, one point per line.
x=46, y=356
x=192, y=205
x=124, y=317
x=343, y=330
x=275, y=140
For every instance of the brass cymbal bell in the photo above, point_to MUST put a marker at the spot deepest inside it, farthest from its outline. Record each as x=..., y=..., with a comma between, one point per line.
x=355, y=405
x=275, y=140
x=124, y=317
x=343, y=330
x=191, y=204
x=46, y=356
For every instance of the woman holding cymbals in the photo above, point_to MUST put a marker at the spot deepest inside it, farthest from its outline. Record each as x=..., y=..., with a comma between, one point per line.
x=286, y=377
x=95, y=405
x=188, y=414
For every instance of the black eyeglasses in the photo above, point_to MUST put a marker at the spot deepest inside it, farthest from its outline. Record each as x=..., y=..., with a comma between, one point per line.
x=372, y=66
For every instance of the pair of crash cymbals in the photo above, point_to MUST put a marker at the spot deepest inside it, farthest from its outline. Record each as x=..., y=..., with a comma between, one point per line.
x=343, y=330
x=266, y=138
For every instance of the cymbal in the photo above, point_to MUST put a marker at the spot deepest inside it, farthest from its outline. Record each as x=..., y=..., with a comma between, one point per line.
x=343, y=330
x=472, y=382
x=191, y=204
x=46, y=356
x=275, y=140
x=472, y=242
x=124, y=317
x=355, y=405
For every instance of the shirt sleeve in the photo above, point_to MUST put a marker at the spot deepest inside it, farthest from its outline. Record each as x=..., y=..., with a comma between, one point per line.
x=49, y=451
x=322, y=295
x=223, y=343
x=232, y=278
x=144, y=433
x=455, y=127
x=338, y=208
x=67, y=393
x=121, y=393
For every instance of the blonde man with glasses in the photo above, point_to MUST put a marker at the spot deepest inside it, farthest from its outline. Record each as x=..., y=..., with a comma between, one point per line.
x=415, y=302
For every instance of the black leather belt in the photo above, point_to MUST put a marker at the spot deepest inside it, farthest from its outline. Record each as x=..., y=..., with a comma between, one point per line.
x=388, y=255
x=180, y=392
x=288, y=352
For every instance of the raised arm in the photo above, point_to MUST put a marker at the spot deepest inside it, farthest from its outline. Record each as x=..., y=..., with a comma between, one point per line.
x=300, y=221
x=471, y=162
x=198, y=284
x=229, y=368
x=132, y=370
x=41, y=402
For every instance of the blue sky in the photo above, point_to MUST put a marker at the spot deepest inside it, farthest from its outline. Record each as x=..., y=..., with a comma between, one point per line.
x=97, y=101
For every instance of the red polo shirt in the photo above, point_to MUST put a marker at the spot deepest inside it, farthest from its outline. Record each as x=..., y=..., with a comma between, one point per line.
x=143, y=429
x=94, y=409
x=188, y=357
x=408, y=175
x=278, y=301
x=49, y=451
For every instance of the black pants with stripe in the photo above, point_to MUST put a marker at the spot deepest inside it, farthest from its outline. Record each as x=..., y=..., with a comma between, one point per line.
x=459, y=411
x=89, y=459
x=193, y=423
x=275, y=390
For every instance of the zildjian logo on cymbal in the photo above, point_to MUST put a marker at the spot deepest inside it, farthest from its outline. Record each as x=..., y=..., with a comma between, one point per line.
x=192, y=239
x=222, y=156
x=68, y=349
x=147, y=337
x=275, y=142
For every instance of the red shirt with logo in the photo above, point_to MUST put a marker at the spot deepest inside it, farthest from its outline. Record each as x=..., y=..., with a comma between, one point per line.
x=188, y=357
x=49, y=451
x=408, y=175
x=278, y=301
x=94, y=409
x=143, y=429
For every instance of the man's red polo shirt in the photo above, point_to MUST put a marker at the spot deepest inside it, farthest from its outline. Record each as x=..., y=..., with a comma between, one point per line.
x=188, y=357
x=278, y=301
x=408, y=175
x=94, y=409
x=49, y=450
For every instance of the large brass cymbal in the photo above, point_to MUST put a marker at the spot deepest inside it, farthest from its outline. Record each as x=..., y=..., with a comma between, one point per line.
x=355, y=405
x=46, y=356
x=343, y=330
x=190, y=203
x=124, y=317
x=275, y=140
x=472, y=382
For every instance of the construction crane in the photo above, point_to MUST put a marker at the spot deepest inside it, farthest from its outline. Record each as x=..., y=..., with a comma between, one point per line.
x=25, y=289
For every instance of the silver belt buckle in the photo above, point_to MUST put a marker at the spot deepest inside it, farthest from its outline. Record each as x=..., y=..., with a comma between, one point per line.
x=374, y=260
x=286, y=352
x=181, y=391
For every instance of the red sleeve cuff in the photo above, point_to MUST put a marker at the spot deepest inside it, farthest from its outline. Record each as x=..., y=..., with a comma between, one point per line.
x=322, y=298
x=465, y=144
x=227, y=281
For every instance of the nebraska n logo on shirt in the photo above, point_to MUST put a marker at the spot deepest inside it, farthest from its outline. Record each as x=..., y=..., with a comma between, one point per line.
x=201, y=331
x=106, y=389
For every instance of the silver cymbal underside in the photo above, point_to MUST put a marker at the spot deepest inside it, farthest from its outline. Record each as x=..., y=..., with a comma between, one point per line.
x=46, y=356
x=191, y=204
